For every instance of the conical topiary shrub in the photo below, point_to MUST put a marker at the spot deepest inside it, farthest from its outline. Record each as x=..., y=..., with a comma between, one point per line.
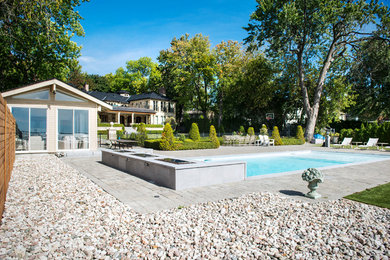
x=141, y=134
x=251, y=131
x=167, y=140
x=276, y=136
x=213, y=137
x=264, y=130
x=241, y=130
x=300, y=135
x=194, y=132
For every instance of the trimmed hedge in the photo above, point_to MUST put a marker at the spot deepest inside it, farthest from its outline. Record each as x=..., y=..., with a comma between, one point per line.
x=372, y=130
x=109, y=125
x=179, y=145
x=292, y=141
x=194, y=132
x=154, y=131
x=149, y=126
x=102, y=132
x=213, y=137
x=167, y=141
x=300, y=134
x=276, y=136
x=195, y=145
x=154, y=144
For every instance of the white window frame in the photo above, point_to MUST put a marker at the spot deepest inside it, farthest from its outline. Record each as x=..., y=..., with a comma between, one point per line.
x=29, y=127
x=89, y=129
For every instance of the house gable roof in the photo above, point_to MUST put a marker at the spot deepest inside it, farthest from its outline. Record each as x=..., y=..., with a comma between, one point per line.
x=55, y=82
x=107, y=97
x=150, y=95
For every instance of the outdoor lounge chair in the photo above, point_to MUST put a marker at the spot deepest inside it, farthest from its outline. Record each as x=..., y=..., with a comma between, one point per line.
x=260, y=141
x=268, y=141
x=347, y=141
x=372, y=142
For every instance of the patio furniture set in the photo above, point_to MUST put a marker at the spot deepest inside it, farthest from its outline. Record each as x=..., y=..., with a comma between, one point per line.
x=372, y=142
x=263, y=140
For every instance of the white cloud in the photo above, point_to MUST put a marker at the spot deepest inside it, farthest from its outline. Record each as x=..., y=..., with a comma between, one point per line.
x=103, y=63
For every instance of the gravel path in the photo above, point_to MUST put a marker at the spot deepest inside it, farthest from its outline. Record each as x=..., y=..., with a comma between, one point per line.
x=55, y=212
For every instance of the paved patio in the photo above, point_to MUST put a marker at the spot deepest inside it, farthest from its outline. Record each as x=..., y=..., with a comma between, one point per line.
x=145, y=197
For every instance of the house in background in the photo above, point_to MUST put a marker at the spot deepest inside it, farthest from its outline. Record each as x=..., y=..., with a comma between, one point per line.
x=52, y=116
x=149, y=108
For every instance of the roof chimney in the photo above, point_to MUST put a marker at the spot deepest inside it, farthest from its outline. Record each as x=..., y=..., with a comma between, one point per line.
x=162, y=91
x=86, y=87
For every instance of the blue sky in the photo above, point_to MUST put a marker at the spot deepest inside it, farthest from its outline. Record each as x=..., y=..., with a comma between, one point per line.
x=120, y=30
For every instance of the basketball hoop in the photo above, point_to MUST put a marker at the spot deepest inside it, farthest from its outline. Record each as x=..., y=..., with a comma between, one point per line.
x=269, y=116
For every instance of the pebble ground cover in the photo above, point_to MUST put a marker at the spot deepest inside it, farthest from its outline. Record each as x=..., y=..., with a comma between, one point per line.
x=53, y=211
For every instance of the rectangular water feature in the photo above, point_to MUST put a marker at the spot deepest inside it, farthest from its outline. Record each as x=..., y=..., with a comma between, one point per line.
x=175, y=173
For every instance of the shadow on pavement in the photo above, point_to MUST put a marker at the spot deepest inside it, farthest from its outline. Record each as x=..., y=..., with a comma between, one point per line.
x=292, y=193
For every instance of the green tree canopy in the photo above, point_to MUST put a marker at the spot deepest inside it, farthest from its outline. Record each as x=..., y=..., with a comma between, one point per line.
x=188, y=73
x=370, y=77
x=313, y=36
x=35, y=40
x=139, y=76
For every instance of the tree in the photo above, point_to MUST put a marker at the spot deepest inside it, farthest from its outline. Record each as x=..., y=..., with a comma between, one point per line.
x=141, y=134
x=314, y=35
x=35, y=40
x=144, y=74
x=229, y=59
x=276, y=136
x=194, y=132
x=213, y=137
x=188, y=73
x=139, y=76
x=370, y=78
x=264, y=130
x=251, y=131
x=250, y=96
x=299, y=134
x=167, y=141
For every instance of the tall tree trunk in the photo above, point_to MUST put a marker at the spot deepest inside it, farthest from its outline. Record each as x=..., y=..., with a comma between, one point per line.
x=220, y=109
x=312, y=111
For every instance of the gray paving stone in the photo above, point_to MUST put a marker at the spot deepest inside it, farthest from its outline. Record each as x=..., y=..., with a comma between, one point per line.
x=140, y=194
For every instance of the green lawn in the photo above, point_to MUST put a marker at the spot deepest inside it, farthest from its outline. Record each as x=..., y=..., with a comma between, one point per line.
x=378, y=196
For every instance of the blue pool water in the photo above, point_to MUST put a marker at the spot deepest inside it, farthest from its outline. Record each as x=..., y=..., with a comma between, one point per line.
x=261, y=164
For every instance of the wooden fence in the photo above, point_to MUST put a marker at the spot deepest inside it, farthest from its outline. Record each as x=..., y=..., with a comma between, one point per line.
x=7, y=150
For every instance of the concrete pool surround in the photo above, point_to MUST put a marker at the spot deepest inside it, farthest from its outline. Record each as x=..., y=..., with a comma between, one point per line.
x=178, y=173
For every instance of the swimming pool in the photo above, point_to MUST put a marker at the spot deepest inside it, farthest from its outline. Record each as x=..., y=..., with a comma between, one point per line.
x=271, y=163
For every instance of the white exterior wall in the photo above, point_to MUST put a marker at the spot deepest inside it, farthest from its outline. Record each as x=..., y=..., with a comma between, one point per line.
x=160, y=116
x=52, y=107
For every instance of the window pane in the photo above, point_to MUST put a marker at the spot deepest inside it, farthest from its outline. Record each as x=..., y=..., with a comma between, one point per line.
x=40, y=95
x=65, y=129
x=65, y=97
x=22, y=127
x=37, y=129
x=81, y=128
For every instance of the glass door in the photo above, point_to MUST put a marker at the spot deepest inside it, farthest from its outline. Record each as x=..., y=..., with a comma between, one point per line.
x=30, y=128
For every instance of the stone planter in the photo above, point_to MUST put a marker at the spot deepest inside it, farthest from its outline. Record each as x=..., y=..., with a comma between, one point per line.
x=313, y=185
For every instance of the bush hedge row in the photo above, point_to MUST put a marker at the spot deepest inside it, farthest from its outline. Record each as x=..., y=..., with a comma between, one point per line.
x=109, y=125
x=180, y=145
x=292, y=141
x=366, y=131
x=148, y=126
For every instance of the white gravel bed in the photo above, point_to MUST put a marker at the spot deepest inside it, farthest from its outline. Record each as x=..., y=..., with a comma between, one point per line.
x=52, y=211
